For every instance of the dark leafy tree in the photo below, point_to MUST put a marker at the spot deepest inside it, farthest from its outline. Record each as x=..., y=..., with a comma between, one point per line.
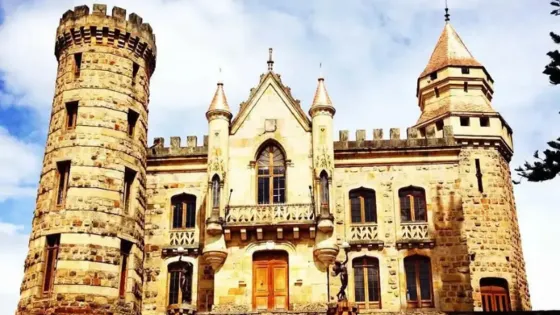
x=546, y=167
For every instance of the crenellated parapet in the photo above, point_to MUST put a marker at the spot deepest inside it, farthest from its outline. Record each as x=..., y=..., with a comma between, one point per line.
x=175, y=149
x=413, y=139
x=79, y=27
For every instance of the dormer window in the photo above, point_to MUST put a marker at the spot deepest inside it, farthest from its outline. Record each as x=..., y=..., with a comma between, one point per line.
x=464, y=121
x=465, y=70
x=484, y=121
x=433, y=75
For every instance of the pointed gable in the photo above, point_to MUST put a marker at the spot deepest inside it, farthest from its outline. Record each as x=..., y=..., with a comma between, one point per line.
x=271, y=80
x=450, y=51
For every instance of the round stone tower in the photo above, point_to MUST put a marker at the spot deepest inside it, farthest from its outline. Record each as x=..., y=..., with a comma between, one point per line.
x=86, y=245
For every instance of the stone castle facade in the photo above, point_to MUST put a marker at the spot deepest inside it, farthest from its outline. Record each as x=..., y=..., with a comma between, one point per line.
x=252, y=219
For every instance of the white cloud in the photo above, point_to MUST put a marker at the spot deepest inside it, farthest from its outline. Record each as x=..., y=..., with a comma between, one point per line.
x=13, y=248
x=19, y=166
x=372, y=52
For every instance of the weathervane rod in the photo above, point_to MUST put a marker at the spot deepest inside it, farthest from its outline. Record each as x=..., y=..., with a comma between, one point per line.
x=447, y=15
x=270, y=62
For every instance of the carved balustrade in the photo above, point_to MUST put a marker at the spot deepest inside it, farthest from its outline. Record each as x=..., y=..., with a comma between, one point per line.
x=415, y=234
x=277, y=217
x=365, y=234
x=182, y=238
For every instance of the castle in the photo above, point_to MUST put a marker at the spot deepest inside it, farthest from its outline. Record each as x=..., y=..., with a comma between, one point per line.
x=253, y=219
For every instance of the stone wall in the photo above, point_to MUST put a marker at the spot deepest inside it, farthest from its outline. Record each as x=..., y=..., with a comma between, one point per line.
x=491, y=228
x=110, y=79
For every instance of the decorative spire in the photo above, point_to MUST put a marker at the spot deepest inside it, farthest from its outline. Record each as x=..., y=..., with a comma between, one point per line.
x=321, y=96
x=447, y=15
x=450, y=51
x=219, y=102
x=270, y=62
x=321, y=71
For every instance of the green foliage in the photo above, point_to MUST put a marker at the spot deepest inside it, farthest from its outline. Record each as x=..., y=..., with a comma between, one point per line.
x=547, y=167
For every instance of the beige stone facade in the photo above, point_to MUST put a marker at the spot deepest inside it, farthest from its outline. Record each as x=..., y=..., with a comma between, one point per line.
x=252, y=218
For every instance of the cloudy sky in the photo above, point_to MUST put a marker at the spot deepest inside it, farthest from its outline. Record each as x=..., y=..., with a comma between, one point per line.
x=372, y=52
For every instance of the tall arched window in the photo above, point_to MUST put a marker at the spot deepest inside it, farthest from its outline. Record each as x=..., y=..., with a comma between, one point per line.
x=324, y=190
x=180, y=282
x=215, y=191
x=413, y=204
x=366, y=282
x=363, y=207
x=271, y=175
x=184, y=211
x=418, y=281
x=495, y=295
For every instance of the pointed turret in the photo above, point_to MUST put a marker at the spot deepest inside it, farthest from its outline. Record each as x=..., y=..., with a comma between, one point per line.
x=456, y=90
x=450, y=51
x=321, y=99
x=219, y=102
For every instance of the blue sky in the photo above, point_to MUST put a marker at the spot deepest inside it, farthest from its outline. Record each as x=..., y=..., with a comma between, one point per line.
x=372, y=52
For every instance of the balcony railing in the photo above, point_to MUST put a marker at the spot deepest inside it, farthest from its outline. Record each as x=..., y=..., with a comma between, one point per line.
x=273, y=214
x=414, y=231
x=184, y=238
x=363, y=232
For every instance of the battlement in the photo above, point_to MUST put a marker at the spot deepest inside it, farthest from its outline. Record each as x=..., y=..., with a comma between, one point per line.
x=413, y=139
x=78, y=26
x=159, y=150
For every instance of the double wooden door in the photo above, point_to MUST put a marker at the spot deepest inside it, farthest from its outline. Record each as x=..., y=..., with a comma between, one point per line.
x=495, y=299
x=270, y=281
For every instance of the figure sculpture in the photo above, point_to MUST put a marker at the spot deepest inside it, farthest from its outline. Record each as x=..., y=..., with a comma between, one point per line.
x=340, y=269
x=184, y=283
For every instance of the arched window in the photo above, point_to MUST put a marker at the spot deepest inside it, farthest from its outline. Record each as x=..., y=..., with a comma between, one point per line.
x=495, y=295
x=413, y=204
x=324, y=190
x=418, y=281
x=215, y=191
x=366, y=282
x=184, y=211
x=363, y=207
x=180, y=282
x=271, y=175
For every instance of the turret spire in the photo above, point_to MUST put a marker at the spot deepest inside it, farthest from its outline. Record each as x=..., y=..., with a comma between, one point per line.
x=447, y=15
x=321, y=99
x=219, y=102
x=450, y=51
x=270, y=62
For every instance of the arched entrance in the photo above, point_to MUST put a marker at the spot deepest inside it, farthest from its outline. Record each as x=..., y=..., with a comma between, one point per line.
x=270, y=280
x=495, y=295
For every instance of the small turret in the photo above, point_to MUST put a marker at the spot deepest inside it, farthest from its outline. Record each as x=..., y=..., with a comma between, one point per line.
x=219, y=104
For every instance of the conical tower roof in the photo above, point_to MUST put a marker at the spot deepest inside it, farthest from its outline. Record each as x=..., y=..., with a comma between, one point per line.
x=321, y=99
x=219, y=102
x=450, y=51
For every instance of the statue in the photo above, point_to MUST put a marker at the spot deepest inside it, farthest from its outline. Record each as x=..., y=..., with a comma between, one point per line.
x=184, y=283
x=340, y=269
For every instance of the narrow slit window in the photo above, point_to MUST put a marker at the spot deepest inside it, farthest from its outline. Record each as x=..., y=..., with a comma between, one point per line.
x=436, y=91
x=466, y=86
x=135, y=68
x=478, y=175
x=71, y=115
x=439, y=125
x=324, y=191
x=77, y=64
x=216, y=191
x=433, y=75
x=129, y=176
x=465, y=70
x=132, y=120
x=484, y=122
x=126, y=246
x=51, y=256
x=465, y=121
x=63, y=169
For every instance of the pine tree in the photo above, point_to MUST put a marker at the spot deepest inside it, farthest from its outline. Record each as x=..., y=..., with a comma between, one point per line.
x=548, y=166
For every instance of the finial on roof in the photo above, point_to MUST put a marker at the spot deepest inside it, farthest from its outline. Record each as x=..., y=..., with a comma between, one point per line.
x=321, y=71
x=220, y=80
x=447, y=15
x=270, y=62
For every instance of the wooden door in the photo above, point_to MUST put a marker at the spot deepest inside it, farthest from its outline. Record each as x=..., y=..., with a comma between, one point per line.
x=270, y=281
x=495, y=299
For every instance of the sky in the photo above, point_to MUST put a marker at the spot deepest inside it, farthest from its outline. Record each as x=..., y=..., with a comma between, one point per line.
x=371, y=51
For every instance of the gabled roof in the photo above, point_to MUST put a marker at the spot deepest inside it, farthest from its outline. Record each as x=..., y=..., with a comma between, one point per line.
x=450, y=51
x=270, y=78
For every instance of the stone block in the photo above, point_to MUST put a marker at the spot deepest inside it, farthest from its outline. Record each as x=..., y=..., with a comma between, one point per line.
x=99, y=9
x=360, y=135
x=191, y=141
x=378, y=134
x=395, y=133
x=343, y=135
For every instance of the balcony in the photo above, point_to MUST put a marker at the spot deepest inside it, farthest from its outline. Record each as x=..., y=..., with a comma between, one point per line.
x=185, y=238
x=365, y=234
x=415, y=235
x=279, y=218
